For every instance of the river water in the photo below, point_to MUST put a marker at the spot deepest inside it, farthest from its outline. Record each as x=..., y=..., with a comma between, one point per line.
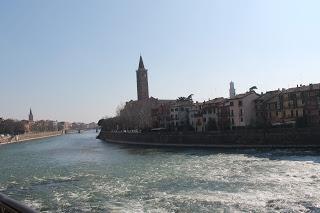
x=78, y=173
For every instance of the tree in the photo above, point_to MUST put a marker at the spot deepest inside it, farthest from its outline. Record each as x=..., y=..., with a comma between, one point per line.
x=182, y=99
x=252, y=88
x=12, y=127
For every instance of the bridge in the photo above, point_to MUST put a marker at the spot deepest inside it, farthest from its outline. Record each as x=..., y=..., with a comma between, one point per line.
x=73, y=131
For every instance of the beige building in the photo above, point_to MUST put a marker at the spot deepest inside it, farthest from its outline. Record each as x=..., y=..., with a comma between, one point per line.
x=242, y=109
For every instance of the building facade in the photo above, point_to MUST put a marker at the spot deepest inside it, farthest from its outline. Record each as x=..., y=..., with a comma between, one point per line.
x=242, y=109
x=161, y=114
x=196, y=117
x=298, y=105
x=179, y=114
x=269, y=109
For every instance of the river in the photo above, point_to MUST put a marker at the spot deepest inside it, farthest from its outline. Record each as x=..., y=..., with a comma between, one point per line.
x=78, y=173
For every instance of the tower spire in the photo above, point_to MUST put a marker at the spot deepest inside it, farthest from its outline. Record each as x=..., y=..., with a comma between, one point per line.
x=30, y=115
x=141, y=65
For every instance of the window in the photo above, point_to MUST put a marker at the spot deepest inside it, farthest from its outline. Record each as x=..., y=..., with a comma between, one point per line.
x=241, y=119
x=231, y=112
x=240, y=103
x=172, y=110
x=241, y=111
x=176, y=109
x=231, y=103
x=291, y=113
x=291, y=104
x=277, y=114
x=232, y=121
x=297, y=113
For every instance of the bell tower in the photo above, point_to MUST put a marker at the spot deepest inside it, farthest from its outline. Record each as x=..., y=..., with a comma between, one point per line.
x=232, y=91
x=142, y=81
x=30, y=116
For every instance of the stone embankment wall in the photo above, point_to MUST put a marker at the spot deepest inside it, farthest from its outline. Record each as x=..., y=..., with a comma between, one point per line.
x=274, y=138
x=30, y=136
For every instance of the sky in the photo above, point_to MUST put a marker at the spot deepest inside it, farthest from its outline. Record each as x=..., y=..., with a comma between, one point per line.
x=75, y=60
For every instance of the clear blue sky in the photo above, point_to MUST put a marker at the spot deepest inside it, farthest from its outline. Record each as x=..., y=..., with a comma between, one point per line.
x=75, y=60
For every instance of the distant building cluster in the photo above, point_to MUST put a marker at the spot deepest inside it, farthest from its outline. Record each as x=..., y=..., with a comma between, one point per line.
x=15, y=127
x=299, y=106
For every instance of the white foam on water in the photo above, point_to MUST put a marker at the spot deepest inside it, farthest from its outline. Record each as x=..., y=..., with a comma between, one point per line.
x=34, y=203
x=291, y=183
x=186, y=182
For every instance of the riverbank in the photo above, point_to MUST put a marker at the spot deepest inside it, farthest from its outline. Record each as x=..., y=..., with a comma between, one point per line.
x=29, y=136
x=273, y=138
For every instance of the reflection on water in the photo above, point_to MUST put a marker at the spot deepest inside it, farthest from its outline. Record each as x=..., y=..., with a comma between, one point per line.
x=77, y=173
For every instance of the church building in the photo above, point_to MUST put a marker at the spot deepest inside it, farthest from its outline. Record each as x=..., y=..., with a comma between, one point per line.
x=138, y=113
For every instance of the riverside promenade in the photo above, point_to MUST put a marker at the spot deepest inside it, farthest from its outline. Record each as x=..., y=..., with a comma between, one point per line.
x=29, y=136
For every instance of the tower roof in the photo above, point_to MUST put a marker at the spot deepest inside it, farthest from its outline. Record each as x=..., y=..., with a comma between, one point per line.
x=141, y=65
x=30, y=112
